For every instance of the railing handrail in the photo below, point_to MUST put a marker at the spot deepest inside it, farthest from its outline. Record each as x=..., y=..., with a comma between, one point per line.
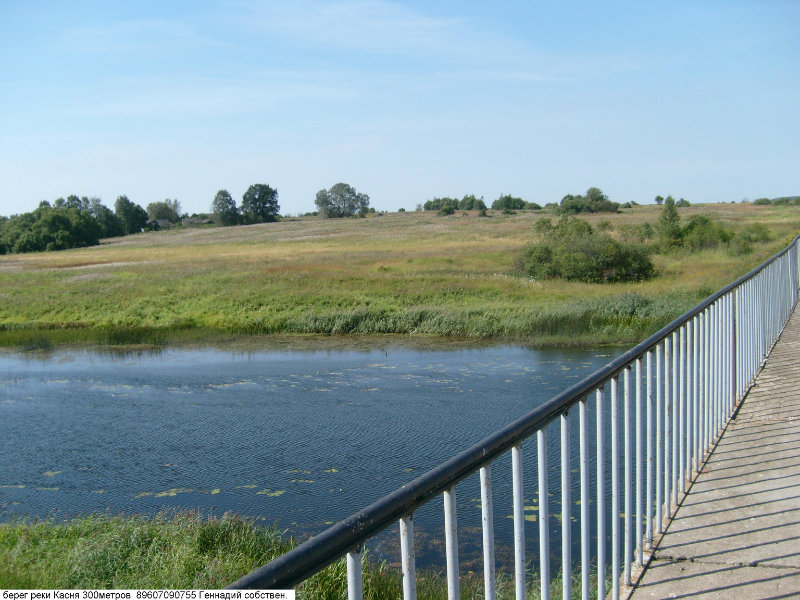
x=298, y=564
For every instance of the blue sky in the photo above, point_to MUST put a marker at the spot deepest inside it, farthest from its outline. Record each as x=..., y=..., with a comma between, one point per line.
x=405, y=101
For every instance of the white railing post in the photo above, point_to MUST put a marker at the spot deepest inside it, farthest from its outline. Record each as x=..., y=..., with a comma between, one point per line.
x=451, y=545
x=566, y=511
x=639, y=545
x=518, y=499
x=407, y=559
x=627, y=556
x=355, y=584
x=615, y=572
x=601, y=498
x=544, y=517
x=583, y=445
x=487, y=522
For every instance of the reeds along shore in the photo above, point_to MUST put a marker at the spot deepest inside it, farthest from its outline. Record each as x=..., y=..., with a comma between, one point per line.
x=413, y=274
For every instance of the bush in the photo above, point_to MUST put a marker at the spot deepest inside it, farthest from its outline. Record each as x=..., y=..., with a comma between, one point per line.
x=594, y=201
x=508, y=201
x=701, y=233
x=574, y=251
x=447, y=209
x=605, y=226
x=757, y=233
x=762, y=202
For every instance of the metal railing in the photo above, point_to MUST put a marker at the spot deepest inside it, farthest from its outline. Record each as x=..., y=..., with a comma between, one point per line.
x=665, y=402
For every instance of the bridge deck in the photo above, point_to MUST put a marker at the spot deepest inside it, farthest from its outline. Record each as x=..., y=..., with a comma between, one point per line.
x=737, y=533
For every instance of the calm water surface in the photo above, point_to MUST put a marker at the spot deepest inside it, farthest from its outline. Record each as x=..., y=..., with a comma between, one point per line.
x=298, y=438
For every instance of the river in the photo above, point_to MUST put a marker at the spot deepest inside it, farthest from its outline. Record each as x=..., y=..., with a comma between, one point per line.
x=297, y=438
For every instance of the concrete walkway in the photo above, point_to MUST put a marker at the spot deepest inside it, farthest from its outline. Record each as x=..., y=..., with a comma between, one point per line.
x=736, y=535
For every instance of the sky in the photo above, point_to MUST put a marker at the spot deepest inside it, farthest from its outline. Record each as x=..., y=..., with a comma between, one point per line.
x=403, y=100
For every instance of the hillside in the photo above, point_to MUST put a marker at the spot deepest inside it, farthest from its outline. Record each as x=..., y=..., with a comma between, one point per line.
x=414, y=274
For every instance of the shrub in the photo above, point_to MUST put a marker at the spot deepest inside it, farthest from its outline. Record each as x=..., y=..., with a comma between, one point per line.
x=508, y=201
x=447, y=209
x=756, y=233
x=574, y=251
x=762, y=201
x=594, y=201
x=542, y=226
x=701, y=233
x=605, y=225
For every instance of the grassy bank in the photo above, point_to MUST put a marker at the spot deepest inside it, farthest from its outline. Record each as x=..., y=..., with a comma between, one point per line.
x=409, y=273
x=185, y=551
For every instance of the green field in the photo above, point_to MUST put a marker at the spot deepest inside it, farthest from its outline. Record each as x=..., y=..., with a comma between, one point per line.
x=415, y=275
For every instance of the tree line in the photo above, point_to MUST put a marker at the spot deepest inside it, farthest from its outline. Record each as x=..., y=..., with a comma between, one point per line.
x=77, y=222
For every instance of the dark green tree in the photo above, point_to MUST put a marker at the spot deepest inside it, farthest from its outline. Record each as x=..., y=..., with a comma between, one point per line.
x=168, y=209
x=260, y=204
x=669, y=224
x=133, y=217
x=341, y=200
x=594, y=201
x=224, y=208
x=508, y=201
x=110, y=224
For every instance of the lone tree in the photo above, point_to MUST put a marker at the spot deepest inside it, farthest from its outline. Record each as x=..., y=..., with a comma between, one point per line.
x=168, y=209
x=341, y=200
x=224, y=208
x=260, y=204
x=133, y=216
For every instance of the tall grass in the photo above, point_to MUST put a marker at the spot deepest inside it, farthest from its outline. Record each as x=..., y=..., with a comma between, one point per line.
x=185, y=550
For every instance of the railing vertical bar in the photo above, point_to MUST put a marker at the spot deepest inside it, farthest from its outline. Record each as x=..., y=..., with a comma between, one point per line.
x=682, y=410
x=451, y=544
x=487, y=522
x=407, y=558
x=544, y=517
x=701, y=375
x=615, y=546
x=627, y=557
x=519, y=522
x=648, y=542
x=601, y=498
x=355, y=584
x=659, y=430
x=691, y=378
x=667, y=429
x=676, y=358
x=730, y=378
x=695, y=467
x=639, y=512
x=566, y=511
x=707, y=383
x=736, y=343
x=583, y=445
